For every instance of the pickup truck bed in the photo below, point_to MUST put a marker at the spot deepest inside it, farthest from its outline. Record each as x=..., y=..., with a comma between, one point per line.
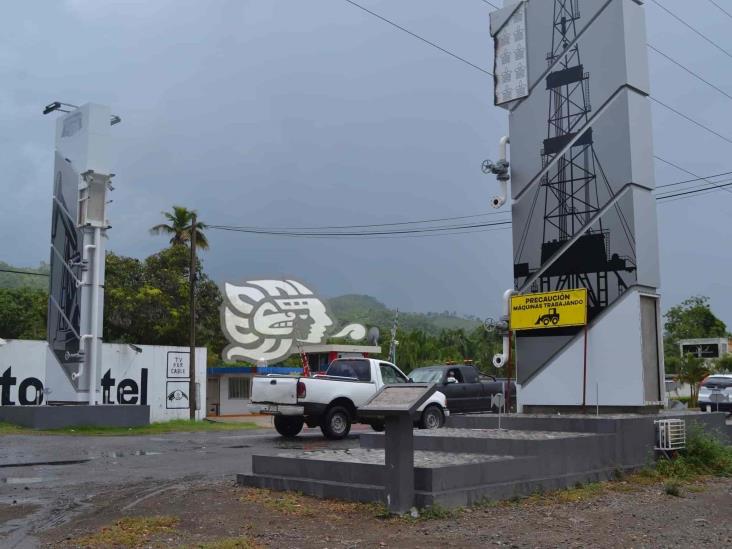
x=332, y=401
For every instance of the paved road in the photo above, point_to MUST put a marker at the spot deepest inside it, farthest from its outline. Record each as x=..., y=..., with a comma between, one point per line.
x=46, y=479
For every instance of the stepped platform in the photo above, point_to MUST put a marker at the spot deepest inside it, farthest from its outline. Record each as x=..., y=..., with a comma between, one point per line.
x=447, y=479
x=471, y=460
x=561, y=453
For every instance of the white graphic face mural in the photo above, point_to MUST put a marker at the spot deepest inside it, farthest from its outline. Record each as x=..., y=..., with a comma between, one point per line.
x=267, y=319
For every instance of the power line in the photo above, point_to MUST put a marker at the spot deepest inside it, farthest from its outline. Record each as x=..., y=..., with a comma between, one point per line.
x=674, y=165
x=491, y=4
x=358, y=233
x=673, y=110
x=418, y=37
x=720, y=8
x=415, y=222
x=697, y=190
x=686, y=180
x=22, y=272
x=691, y=72
x=698, y=32
x=682, y=115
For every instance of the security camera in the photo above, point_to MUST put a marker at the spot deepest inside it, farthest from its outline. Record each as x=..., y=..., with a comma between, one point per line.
x=499, y=360
x=498, y=201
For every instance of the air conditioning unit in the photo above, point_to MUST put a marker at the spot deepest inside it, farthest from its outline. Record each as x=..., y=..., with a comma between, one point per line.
x=670, y=434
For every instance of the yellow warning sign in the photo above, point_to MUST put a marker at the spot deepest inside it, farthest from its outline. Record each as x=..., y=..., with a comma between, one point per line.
x=549, y=310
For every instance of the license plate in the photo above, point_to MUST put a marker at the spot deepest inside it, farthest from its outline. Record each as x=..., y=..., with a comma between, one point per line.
x=271, y=409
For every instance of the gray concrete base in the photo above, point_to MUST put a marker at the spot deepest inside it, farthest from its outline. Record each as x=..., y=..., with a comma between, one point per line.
x=75, y=415
x=471, y=461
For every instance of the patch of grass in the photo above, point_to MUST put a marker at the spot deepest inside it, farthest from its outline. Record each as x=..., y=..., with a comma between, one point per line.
x=241, y=542
x=288, y=503
x=672, y=488
x=437, y=512
x=10, y=429
x=129, y=532
x=176, y=425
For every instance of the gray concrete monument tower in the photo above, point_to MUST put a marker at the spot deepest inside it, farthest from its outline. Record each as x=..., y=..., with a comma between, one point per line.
x=573, y=75
x=78, y=232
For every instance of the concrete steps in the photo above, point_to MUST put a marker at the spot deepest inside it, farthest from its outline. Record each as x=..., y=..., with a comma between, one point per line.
x=558, y=453
x=448, y=479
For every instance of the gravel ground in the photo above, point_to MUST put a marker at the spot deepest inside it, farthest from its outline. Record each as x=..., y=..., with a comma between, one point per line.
x=620, y=514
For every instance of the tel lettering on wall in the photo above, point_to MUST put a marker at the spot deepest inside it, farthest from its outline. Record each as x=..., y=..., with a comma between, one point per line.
x=549, y=310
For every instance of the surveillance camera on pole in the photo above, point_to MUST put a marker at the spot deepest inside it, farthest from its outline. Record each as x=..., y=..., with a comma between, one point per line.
x=500, y=170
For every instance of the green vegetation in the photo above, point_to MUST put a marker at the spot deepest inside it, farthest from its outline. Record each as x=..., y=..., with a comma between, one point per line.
x=179, y=228
x=692, y=318
x=177, y=425
x=704, y=455
x=371, y=312
x=241, y=542
x=14, y=280
x=692, y=370
x=23, y=313
x=130, y=532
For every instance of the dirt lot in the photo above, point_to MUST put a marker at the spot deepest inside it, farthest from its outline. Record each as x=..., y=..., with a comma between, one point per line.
x=632, y=513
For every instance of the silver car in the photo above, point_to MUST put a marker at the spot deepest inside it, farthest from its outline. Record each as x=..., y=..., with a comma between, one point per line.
x=715, y=393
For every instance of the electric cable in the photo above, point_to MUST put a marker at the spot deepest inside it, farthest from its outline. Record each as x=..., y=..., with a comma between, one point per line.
x=720, y=8
x=491, y=4
x=22, y=272
x=687, y=69
x=418, y=37
x=695, y=30
x=680, y=168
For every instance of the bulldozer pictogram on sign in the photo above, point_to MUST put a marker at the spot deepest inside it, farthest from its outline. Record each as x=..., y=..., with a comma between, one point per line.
x=548, y=310
x=551, y=317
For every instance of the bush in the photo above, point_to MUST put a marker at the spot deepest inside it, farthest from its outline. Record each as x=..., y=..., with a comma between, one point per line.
x=672, y=488
x=704, y=454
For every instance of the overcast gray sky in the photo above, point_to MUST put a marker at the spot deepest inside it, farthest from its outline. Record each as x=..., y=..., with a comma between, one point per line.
x=298, y=113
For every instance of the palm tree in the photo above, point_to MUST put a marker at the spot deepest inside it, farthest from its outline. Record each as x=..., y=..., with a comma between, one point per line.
x=179, y=228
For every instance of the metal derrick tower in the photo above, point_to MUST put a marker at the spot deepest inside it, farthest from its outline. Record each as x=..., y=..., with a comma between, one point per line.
x=570, y=188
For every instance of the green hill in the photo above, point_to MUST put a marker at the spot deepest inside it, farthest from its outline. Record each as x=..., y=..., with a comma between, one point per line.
x=14, y=280
x=371, y=312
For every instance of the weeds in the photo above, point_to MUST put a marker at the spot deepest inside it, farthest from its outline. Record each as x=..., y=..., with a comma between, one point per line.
x=672, y=488
x=228, y=543
x=437, y=512
x=130, y=532
x=704, y=455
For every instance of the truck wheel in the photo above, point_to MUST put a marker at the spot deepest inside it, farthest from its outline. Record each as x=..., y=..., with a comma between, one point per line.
x=336, y=424
x=432, y=417
x=289, y=426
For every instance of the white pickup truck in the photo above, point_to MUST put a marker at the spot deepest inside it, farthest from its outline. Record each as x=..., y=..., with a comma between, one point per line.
x=331, y=401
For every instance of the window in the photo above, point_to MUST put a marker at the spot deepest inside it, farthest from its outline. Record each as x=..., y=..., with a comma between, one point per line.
x=355, y=369
x=426, y=375
x=238, y=388
x=389, y=375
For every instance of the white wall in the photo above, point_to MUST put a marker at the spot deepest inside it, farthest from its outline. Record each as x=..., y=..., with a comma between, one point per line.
x=236, y=406
x=613, y=364
x=157, y=376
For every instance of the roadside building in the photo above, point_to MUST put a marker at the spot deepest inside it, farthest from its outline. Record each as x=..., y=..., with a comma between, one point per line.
x=708, y=348
x=228, y=388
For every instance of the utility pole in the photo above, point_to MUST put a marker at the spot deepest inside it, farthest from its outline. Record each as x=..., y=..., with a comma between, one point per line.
x=393, y=344
x=192, y=307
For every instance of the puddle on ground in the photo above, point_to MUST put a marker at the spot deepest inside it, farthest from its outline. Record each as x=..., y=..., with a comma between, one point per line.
x=37, y=463
x=239, y=446
x=127, y=454
x=22, y=480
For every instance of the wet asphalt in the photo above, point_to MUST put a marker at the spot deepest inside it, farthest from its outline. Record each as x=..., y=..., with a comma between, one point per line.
x=59, y=476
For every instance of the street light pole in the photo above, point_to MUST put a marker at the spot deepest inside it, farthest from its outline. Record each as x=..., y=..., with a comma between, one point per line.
x=192, y=307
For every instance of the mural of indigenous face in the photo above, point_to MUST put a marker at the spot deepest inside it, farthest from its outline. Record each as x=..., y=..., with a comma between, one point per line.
x=266, y=319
